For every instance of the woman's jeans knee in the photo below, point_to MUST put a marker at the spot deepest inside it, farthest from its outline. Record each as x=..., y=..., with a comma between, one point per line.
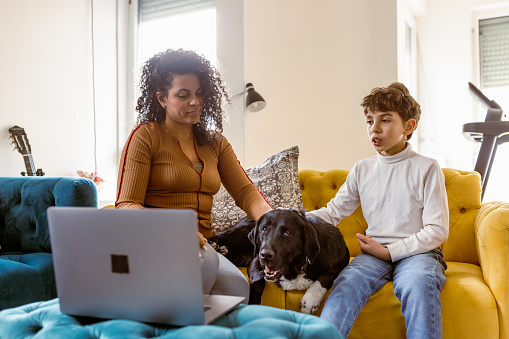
x=220, y=276
x=418, y=281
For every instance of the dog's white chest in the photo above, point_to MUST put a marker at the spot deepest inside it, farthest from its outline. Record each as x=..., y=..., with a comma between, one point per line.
x=299, y=283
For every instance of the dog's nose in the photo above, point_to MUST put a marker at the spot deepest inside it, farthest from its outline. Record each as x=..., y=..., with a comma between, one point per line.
x=267, y=254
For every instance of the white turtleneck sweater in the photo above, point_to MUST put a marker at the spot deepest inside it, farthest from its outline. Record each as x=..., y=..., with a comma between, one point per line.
x=403, y=200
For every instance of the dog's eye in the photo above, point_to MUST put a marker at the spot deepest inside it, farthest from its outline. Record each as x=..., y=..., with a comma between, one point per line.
x=287, y=233
x=263, y=229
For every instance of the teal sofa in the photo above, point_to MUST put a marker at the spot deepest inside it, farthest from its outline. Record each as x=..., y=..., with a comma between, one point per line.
x=26, y=265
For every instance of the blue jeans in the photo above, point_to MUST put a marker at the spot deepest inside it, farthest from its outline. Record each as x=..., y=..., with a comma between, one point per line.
x=417, y=280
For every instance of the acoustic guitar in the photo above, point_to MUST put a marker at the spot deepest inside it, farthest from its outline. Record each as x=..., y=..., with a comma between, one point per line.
x=21, y=144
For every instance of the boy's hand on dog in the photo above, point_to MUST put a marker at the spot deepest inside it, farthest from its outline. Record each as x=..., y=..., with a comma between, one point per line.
x=373, y=247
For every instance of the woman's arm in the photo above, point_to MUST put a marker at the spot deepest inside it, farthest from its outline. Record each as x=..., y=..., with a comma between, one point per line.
x=134, y=170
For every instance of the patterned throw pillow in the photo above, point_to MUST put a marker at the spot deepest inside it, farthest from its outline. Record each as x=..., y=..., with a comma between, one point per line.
x=277, y=179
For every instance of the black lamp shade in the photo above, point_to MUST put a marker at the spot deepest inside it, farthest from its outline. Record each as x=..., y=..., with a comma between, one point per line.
x=254, y=101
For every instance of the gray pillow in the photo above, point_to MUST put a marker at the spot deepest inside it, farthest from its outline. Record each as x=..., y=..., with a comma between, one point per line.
x=277, y=179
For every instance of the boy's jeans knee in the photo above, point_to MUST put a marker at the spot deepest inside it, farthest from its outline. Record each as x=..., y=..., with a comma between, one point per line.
x=352, y=288
x=418, y=281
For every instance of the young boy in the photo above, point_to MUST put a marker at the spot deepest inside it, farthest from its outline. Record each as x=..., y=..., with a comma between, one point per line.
x=404, y=202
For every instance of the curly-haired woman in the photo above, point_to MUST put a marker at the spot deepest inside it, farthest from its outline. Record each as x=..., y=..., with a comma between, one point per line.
x=176, y=157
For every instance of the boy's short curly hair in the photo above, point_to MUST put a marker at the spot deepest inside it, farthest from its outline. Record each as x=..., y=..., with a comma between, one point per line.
x=394, y=98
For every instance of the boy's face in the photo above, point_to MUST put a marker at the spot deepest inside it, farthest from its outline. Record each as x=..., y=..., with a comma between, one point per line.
x=388, y=132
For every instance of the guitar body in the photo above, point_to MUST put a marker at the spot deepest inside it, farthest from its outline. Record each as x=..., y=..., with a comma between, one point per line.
x=21, y=144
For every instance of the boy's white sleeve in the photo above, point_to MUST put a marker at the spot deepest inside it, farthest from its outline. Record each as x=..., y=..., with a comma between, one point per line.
x=343, y=204
x=435, y=218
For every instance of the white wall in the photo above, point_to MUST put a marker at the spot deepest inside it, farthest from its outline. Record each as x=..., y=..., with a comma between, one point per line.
x=46, y=86
x=313, y=62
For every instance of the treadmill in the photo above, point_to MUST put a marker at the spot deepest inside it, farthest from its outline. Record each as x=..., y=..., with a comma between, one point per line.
x=493, y=131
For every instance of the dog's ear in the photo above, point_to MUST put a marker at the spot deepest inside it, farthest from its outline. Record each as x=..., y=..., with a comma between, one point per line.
x=253, y=237
x=301, y=212
x=311, y=245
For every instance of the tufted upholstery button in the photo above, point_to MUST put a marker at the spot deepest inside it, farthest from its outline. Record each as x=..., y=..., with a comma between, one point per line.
x=463, y=210
x=334, y=187
x=34, y=328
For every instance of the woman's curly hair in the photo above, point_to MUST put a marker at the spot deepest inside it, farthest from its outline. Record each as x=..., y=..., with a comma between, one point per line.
x=394, y=98
x=157, y=75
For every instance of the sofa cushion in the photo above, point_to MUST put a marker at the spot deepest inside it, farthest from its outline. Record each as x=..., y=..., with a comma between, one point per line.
x=464, y=294
x=277, y=179
x=26, y=278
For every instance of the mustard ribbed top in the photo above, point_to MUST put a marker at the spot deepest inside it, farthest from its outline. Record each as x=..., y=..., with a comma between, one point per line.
x=155, y=173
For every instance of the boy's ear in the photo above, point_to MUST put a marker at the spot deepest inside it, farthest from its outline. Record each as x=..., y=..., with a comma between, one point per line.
x=410, y=126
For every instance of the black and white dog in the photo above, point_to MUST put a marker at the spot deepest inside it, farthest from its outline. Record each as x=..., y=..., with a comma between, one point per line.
x=295, y=250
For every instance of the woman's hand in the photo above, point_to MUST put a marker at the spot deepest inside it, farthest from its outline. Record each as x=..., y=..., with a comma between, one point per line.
x=373, y=247
x=202, y=242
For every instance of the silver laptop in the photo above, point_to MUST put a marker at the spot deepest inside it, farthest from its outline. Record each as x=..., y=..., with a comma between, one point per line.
x=131, y=264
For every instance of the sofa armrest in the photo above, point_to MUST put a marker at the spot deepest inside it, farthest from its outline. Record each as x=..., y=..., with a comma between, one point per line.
x=23, y=205
x=70, y=191
x=492, y=240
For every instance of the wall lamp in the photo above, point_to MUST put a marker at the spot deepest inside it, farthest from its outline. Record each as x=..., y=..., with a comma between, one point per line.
x=254, y=101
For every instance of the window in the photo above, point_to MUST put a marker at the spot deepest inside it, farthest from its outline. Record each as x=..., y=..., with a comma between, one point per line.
x=175, y=24
x=494, y=52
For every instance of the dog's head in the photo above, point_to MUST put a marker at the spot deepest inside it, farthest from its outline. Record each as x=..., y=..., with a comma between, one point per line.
x=283, y=240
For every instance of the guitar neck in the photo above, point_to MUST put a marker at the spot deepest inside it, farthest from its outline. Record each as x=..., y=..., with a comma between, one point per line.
x=21, y=144
x=29, y=164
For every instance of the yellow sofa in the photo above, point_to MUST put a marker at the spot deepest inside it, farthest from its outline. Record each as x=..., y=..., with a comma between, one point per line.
x=475, y=297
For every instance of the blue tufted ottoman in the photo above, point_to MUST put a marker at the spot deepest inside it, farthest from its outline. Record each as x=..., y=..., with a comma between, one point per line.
x=43, y=320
